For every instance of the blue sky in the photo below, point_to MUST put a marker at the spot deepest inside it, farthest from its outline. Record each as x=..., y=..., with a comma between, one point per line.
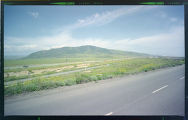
x=157, y=30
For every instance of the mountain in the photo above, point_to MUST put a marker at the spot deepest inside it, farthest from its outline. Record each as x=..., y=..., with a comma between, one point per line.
x=13, y=57
x=84, y=51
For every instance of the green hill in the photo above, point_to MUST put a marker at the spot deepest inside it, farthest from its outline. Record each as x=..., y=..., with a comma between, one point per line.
x=84, y=51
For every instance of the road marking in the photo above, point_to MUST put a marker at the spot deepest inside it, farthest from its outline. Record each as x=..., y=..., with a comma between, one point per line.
x=109, y=113
x=181, y=77
x=160, y=89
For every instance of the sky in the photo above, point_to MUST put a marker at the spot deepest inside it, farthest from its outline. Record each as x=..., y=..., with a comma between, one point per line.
x=157, y=30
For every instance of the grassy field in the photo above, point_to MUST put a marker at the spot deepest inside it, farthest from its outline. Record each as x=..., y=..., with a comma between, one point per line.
x=22, y=62
x=108, y=69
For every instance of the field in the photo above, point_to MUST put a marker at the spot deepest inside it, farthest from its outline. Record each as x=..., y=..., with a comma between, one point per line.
x=27, y=75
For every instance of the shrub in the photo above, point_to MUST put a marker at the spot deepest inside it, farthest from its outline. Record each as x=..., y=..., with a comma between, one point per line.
x=60, y=83
x=99, y=77
x=30, y=71
x=70, y=82
x=106, y=76
x=93, y=78
x=115, y=68
x=82, y=78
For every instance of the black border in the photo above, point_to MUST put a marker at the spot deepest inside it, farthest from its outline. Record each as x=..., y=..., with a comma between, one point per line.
x=94, y=118
x=91, y=2
x=186, y=60
x=2, y=63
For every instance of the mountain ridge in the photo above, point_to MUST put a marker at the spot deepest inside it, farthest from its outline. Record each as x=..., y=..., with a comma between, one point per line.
x=84, y=51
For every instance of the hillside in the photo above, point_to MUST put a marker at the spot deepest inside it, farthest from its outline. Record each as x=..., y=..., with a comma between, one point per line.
x=83, y=51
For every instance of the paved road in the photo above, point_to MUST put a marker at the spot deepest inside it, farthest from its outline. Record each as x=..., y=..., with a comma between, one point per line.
x=159, y=92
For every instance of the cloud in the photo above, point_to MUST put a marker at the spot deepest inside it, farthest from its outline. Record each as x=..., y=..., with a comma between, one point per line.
x=173, y=19
x=107, y=16
x=34, y=14
x=17, y=49
x=163, y=15
x=170, y=43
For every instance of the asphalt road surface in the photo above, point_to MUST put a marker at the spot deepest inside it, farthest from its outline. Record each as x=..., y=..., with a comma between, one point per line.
x=158, y=92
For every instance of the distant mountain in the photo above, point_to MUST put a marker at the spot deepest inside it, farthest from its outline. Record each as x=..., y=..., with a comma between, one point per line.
x=84, y=51
x=13, y=57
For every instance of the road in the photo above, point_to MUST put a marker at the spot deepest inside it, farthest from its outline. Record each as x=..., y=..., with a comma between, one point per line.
x=158, y=92
x=53, y=74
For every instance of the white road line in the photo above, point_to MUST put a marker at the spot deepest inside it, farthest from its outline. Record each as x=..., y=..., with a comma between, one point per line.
x=160, y=89
x=181, y=77
x=109, y=113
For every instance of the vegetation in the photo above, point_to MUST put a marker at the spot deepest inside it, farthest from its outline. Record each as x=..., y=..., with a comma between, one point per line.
x=33, y=61
x=46, y=70
x=43, y=67
x=108, y=69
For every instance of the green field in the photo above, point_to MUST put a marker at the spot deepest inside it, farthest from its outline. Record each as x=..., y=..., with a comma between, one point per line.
x=22, y=62
x=107, y=68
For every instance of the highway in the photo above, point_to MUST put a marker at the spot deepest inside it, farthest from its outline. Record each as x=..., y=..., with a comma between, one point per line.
x=158, y=92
